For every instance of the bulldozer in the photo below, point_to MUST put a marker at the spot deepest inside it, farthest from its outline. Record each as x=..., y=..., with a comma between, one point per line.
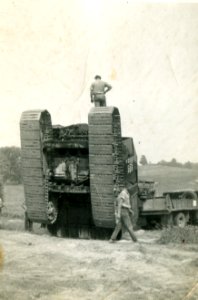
x=71, y=173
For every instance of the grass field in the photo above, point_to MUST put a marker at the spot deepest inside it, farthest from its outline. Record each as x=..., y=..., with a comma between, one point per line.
x=169, y=178
x=14, y=200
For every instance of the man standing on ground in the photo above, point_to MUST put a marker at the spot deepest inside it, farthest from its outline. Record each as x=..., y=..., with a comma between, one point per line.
x=98, y=90
x=122, y=214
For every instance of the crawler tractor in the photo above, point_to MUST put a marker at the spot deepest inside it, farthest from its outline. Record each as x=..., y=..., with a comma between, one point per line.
x=71, y=173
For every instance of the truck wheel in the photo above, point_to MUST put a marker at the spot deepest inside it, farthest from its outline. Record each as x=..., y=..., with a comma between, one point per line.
x=180, y=220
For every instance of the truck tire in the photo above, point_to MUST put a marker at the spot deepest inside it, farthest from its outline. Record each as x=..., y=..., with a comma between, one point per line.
x=180, y=220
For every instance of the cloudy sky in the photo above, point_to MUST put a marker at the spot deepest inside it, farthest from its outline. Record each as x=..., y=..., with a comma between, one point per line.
x=50, y=50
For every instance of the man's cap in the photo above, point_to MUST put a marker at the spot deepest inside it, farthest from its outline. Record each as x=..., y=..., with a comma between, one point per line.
x=97, y=77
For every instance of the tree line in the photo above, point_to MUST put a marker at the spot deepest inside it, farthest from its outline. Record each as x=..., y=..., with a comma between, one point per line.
x=172, y=163
x=175, y=163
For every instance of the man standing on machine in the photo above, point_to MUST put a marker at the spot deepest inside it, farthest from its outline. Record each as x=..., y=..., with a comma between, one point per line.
x=98, y=90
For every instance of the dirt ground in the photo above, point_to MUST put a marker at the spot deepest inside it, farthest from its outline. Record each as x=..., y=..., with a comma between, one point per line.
x=38, y=266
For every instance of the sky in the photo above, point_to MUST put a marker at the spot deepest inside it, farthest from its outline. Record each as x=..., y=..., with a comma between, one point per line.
x=50, y=51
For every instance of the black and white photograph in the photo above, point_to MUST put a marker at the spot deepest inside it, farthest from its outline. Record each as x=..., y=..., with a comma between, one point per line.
x=98, y=157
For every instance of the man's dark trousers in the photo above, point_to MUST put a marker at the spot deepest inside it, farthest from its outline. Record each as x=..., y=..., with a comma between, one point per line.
x=124, y=221
x=100, y=100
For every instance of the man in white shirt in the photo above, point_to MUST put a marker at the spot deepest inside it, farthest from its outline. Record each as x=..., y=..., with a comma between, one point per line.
x=98, y=90
x=122, y=215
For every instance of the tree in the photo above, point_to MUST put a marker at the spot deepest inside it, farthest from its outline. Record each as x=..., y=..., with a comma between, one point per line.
x=162, y=162
x=173, y=162
x=143, y=160
x=188, y=165
x=10, y=164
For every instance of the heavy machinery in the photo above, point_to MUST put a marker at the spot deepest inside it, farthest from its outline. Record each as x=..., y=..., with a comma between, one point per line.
x=177, y=208
x=71, y=175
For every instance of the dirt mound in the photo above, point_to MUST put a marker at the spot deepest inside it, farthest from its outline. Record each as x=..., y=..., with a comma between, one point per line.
x=185, y=235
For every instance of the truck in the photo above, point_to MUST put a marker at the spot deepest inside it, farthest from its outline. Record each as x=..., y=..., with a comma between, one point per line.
x=179, y=208
x=71, y=175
